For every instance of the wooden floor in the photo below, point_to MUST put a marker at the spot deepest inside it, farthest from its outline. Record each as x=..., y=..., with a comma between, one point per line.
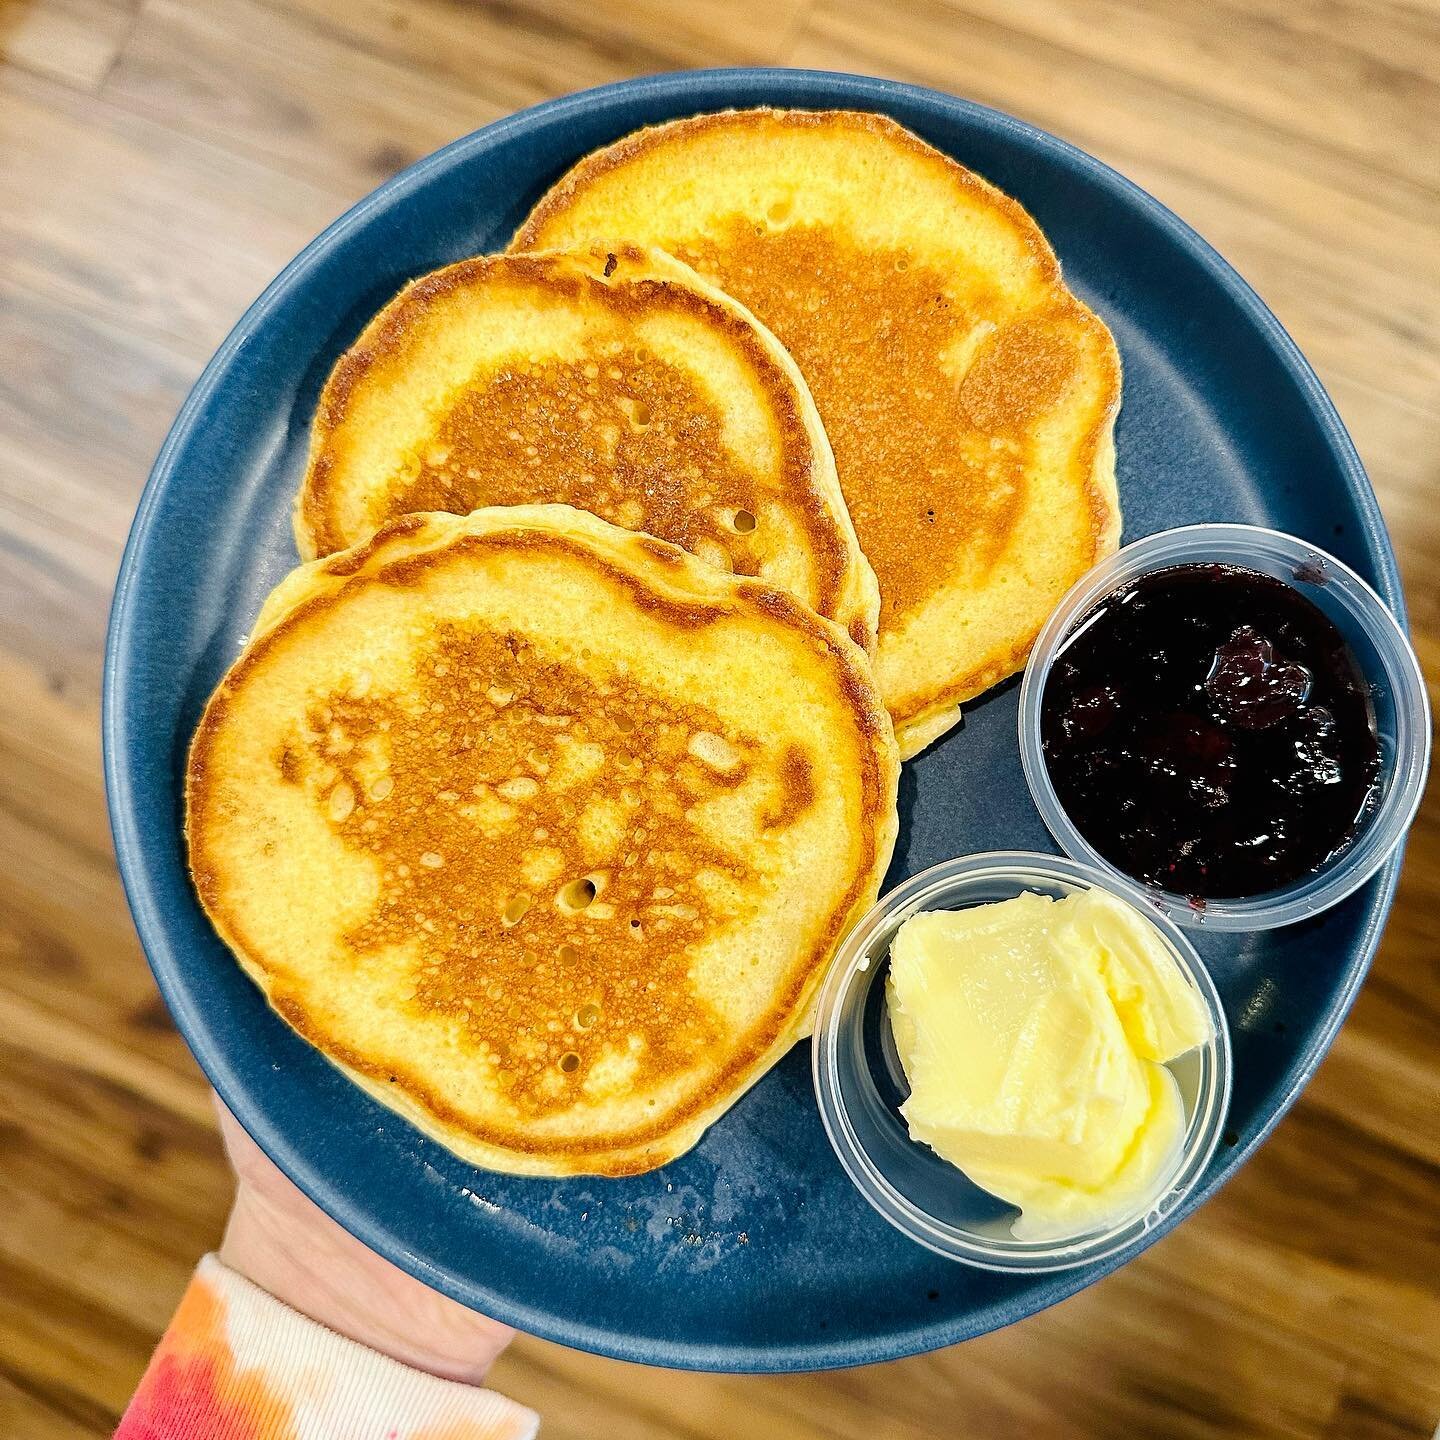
x=161, y=159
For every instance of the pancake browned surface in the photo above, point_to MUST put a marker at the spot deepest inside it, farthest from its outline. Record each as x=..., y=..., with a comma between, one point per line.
x=969, y=397
x=541, y=829
x=614, y=379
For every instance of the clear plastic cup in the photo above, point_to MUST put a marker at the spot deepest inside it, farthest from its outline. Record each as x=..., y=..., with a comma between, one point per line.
x=1386, y=660
x=859, y=1082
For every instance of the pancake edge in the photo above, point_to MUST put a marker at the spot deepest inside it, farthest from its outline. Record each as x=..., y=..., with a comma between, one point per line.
x=855, y=602
x=320, y=583
x=936, y=713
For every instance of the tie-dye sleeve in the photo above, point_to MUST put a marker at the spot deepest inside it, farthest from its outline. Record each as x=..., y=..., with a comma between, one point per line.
x=236, y=1364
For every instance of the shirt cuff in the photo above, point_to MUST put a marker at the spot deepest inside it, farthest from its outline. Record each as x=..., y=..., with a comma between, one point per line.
x=238, y=1364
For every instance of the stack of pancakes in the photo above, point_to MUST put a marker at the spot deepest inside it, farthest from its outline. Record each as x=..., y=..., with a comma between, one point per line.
x=638, y=557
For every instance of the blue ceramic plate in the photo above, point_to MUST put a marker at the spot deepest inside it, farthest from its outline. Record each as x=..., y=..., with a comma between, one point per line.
x=753, y=1252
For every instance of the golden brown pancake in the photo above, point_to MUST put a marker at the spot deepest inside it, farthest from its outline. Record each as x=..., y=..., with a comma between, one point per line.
x=970, y=399
x=614, y=379
x=543, y=830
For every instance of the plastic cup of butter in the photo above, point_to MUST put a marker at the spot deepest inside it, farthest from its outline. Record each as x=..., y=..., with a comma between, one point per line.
x=860, y=1084
x=1380, y=651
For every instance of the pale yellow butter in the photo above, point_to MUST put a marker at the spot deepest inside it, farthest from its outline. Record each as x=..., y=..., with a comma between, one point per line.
x=1033, y=1033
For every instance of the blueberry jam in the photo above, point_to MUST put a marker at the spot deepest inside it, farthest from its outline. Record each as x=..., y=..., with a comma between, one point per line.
x=1207, y=731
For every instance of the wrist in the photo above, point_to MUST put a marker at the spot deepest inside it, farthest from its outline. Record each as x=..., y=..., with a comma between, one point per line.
x=331, y=1278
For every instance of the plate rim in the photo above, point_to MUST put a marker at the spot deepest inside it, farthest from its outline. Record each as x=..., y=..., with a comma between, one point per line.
x=131, y=851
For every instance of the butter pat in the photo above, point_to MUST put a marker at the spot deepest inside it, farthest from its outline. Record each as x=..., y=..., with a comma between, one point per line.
x=1034, y=1034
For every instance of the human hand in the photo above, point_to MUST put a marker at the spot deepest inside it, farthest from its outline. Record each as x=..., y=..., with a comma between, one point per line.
x=288, y=1246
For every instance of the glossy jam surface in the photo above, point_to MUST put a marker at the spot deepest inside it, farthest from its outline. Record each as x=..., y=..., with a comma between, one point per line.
x=1208, y=731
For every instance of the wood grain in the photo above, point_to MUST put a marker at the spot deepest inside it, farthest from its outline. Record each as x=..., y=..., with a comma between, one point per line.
x=161, y=159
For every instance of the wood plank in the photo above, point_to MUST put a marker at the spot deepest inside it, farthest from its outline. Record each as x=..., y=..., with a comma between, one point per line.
x=172, y=1082
x=74, y=41
x=528, y=51
x=261, y=84
x=1388, y=1054
x=174, y=252
x=37, y=1416
x=1241, y=59
x=83, y=409
x=348, y=95
x=85, y=404
x=72, y=1360
x=72, y=979
x=1397, y=440
x=164, y=1168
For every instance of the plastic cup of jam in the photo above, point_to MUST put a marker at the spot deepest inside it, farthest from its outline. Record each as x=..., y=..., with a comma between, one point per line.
x=860, y=1082
x=1249, y=683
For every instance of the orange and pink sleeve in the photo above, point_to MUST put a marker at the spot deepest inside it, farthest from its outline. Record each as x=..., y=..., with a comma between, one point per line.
x=237, y=1364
